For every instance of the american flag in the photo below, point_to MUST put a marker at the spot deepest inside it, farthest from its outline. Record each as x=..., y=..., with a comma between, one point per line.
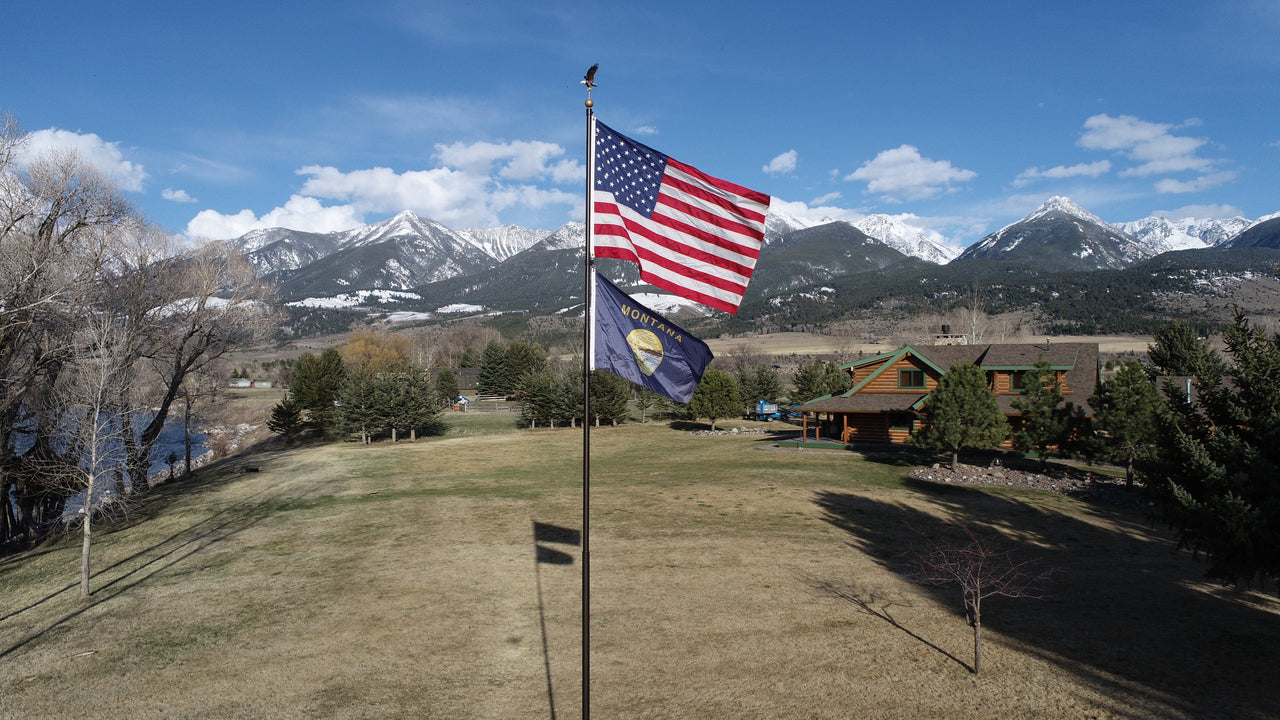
x=691, y=234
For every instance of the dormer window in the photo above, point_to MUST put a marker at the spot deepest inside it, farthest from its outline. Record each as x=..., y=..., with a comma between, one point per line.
x=911, y=379
x=1018, y=381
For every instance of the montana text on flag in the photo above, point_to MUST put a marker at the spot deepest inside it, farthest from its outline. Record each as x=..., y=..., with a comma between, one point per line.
x=636, y=344
x=691, y=234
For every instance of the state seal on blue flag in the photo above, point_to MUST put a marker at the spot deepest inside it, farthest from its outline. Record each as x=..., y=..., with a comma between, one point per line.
x=639, y=345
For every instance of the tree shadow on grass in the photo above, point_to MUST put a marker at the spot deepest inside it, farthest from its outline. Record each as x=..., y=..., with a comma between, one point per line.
x=134, y=569
x=147, y=563
x=1126, y=614
x=868, y=604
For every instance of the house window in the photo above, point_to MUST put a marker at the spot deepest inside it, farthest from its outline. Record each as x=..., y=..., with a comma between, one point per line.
x=913, y=379
x=1018, y=381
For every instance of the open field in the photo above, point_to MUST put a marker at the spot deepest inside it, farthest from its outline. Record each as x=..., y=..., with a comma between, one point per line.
x=730, y=580
x=798, y=343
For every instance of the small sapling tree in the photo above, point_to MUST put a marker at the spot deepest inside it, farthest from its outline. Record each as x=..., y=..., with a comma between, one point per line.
x=981, y=568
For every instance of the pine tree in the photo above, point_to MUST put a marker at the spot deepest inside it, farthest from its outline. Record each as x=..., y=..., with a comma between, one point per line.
x=817, y=379
x=1127, y=410
x=470, y=358
x=492, y=377
x=391, y=401
x=422, y=405
x=1045, y=424
x=609, y=398
x=315, y=384
x=286, y=417
x=716, y=397
x=962, y=412
x=446, y=387
x=1216, y=474
x=522, y=357
x=759, y=383
x=1178, y=351
x=568, y=396
x=358, y=410
x=537, y=397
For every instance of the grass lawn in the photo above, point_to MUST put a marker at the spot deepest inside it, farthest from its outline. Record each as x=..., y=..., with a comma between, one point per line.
x=730, y=579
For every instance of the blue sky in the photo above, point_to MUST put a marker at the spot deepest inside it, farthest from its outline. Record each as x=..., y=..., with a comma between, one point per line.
x=325, y=115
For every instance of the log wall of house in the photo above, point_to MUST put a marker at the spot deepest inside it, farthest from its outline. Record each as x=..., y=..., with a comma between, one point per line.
x=866, y=428
x=858, y=374
x=887, y=382
x=1001, y=382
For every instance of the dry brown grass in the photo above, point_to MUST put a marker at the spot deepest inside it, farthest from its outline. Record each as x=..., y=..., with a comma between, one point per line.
x=784, y=344
x=730, y=580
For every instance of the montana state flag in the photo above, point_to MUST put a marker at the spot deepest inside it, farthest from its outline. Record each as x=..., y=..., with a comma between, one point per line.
x=637, y=344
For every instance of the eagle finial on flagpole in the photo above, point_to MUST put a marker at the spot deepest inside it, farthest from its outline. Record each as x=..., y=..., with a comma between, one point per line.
x=590, y=81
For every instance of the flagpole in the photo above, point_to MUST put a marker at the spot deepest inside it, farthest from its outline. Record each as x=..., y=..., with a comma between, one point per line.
x=588, y=319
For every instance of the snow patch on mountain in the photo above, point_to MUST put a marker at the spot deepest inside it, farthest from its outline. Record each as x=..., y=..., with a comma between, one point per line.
x=779, y=223
x=668, y=304
x=503, y=241
x=354, y=299
x=459, y=308
x=570, y=236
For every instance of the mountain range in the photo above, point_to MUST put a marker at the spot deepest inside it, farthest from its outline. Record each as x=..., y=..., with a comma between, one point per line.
x=539, y=270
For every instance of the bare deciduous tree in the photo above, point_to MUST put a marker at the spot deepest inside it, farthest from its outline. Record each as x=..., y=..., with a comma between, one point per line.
x=91, y=393
x=52, y=210
x=193, y=309
x=86, y=289
x=981, y=568
x=745, y=357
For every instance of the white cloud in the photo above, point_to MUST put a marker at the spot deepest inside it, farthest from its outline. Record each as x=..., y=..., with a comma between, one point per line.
x=782, y=164
x=299, y=213
x=1153, y=146
x=645, y=130
x=1093, y=170
x=478, y=181
x=814, y=212
x=903, y=174
x=180, y=196
x=1204, y=182
x=105, y=156
x=824, y=199
x=520, y=160
x=445, y=195
x=955, y=231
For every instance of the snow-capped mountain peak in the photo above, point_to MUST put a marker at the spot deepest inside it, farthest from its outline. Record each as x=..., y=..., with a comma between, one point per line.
x=778, y=223
x=405, y=223
x=1160, y=234
x=1061, y=204
x=899, y=233
x=1060, y=235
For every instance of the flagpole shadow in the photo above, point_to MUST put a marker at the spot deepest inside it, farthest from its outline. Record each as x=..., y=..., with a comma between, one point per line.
x=546, y=533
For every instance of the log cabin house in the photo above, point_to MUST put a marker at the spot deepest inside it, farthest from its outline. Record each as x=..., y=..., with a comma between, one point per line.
x=886, y=391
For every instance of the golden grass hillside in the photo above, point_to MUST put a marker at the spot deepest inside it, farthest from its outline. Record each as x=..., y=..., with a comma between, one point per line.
x=731, y=579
